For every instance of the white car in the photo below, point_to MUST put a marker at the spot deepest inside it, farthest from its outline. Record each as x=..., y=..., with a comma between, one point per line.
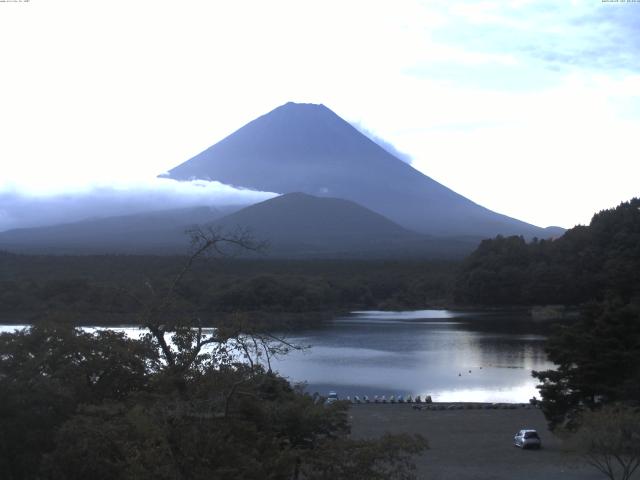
x=333, y=397
x=527, y=439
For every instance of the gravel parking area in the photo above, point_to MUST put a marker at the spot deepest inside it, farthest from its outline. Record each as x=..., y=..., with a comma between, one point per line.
x=474, y=444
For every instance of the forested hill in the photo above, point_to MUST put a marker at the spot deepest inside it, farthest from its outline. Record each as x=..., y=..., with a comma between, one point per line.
x=594, y=262
x=102, y=289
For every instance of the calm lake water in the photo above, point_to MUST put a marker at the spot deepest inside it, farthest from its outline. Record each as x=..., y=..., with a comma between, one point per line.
x=452, y=356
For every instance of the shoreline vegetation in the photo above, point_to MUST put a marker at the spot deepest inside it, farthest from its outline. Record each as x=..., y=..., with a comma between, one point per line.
x=299, y=320
x=99, y=290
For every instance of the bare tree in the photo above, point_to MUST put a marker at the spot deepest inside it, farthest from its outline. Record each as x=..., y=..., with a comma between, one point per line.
x=184, y=345
x=609, y=439
x=188, y=337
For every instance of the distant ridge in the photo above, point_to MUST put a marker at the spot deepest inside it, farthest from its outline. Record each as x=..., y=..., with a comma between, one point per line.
x=295, y=225
x=152, y=232
x=308, y=148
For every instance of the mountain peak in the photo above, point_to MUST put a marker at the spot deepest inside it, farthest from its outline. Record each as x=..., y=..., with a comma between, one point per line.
x=306, y=147
x=299, y=115
x=300, y=106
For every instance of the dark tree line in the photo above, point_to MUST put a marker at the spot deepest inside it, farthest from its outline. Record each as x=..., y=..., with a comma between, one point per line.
x=90, y=287
x=587, y=263
x=598, y=363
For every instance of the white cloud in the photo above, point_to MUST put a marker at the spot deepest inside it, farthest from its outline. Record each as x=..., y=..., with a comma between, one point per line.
x=557, y=157
x=35, y=204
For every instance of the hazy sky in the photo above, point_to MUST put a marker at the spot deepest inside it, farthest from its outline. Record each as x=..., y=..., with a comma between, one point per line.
x=529, y=108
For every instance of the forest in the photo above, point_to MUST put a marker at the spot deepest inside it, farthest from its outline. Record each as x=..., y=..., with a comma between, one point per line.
x=595, y=262
x=102, y=289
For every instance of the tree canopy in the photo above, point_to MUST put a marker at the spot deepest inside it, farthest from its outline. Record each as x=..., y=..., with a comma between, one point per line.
x=597, y=362
x=587, y=263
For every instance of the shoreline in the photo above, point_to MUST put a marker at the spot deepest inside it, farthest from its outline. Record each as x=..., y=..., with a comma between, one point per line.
x=469, y=405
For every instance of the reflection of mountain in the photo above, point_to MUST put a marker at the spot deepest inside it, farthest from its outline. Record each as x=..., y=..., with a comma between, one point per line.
x=308, y=148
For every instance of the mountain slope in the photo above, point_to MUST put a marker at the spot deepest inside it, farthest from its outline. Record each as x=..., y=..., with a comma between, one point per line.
x=308, y=148
x=152, y=232
x=295, y=225
x=298, y=217
x=301, y=225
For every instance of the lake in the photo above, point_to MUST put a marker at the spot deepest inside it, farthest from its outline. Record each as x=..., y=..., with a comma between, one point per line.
x=450, y=355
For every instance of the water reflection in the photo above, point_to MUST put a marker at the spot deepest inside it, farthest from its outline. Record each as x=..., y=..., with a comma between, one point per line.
x=452, y=356
x=399, y=316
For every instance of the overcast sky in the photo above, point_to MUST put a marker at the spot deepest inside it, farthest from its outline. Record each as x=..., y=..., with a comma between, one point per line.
x=529, y=108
